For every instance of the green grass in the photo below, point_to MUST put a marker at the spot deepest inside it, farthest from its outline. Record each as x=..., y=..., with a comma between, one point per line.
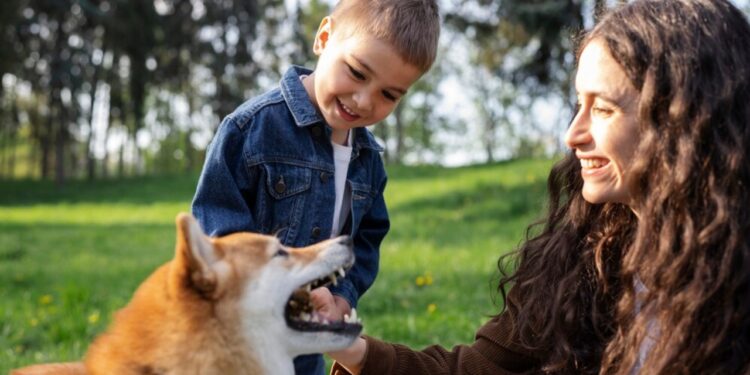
x=71, y=256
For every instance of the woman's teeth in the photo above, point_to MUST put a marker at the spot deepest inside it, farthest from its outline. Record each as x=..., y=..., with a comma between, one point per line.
x=592, y=163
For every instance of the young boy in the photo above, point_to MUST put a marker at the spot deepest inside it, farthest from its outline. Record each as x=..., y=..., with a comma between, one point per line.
x=297, y=161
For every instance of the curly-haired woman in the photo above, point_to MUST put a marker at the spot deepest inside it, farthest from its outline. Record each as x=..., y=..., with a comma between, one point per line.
x=642, y=264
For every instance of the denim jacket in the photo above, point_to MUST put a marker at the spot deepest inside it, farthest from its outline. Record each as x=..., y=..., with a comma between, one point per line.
x=270, y=169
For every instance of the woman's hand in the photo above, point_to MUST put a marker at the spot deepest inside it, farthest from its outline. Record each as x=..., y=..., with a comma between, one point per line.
x=333, y=308
x=352, y=357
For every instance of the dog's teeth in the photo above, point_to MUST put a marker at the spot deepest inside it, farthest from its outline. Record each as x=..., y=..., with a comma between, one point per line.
x=308, y=288
x=341, y=272
x=315, y=319
x=333, y=280
x=305, y=316
x=352, y=319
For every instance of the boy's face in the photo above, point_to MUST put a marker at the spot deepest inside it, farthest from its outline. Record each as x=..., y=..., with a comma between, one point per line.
x=358, y=80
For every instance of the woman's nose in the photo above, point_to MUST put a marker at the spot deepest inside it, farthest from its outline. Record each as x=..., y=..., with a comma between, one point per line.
x=578, y=132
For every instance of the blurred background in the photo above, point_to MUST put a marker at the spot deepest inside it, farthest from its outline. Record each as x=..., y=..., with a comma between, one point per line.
x=107, y=106
x=111, y=88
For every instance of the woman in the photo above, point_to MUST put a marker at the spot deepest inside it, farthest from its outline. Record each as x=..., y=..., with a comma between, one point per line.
x=643, y=262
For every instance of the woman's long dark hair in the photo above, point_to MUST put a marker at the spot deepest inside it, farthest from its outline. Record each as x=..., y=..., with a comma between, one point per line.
x=690, y=246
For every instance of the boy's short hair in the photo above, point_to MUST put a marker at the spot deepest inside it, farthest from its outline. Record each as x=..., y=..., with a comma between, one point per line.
x=412, y=27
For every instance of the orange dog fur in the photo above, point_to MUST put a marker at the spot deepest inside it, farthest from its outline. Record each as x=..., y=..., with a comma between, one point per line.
x=221, y=306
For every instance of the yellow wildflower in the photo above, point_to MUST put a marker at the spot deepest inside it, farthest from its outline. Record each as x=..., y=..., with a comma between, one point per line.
x=431, y=308
x=94, y=317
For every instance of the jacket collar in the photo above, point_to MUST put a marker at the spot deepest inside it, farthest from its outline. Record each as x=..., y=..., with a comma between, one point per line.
x=305, y=114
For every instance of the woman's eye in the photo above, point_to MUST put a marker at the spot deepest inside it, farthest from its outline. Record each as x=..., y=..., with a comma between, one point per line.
x=601, y=111
x=356, y=74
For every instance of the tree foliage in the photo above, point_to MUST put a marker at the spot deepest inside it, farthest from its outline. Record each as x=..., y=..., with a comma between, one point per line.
x=68, y=58
x=97, y=88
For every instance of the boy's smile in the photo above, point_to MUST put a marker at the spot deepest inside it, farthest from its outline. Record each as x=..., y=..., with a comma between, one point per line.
x=347, y=113
x=358, y=80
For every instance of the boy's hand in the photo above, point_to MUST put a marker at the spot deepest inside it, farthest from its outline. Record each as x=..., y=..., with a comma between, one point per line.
x=329, y=306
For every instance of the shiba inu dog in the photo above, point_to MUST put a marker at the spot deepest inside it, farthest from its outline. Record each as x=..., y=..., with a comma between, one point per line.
x=237, y=304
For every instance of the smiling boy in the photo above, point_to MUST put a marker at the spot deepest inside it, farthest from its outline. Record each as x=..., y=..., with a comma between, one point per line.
x=297, y=161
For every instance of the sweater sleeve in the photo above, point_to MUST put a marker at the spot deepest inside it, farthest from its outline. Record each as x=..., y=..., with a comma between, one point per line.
x=494, y=351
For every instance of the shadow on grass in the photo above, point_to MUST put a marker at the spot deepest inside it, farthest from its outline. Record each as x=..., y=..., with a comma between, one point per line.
x=429, y=172
x=46, y=254
x=485, y=210
x=137, y=190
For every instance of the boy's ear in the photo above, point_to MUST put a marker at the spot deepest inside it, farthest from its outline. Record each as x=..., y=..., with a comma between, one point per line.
x=323, y=35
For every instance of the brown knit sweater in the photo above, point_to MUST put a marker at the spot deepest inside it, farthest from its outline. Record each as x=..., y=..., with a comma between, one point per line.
x=494, y=351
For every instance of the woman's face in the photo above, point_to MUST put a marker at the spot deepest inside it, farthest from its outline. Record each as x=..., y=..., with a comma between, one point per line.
x=604, y=134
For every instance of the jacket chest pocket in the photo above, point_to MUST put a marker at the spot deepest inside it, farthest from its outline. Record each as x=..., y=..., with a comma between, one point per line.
x=284, y=180
x=362, y=196
x=285, y=201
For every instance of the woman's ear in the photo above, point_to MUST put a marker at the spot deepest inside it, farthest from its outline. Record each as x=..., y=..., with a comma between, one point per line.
x=323, y=35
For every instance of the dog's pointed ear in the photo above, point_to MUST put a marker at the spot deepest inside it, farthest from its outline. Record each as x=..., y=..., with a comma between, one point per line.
x=195, y=255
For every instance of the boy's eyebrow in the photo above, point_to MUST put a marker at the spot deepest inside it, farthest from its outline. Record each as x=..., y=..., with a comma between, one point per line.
x=367, y=67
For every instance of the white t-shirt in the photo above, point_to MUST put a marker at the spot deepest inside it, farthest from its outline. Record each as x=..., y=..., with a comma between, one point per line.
x=342, y=155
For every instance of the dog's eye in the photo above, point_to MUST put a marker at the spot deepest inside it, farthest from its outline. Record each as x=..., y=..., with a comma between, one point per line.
x=281, y=253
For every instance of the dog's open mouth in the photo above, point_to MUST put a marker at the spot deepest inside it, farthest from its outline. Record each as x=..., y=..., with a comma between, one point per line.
x=300, y=315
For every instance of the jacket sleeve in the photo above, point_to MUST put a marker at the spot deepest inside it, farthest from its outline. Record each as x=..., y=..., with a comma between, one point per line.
x=370, y=233
x=219, y=203
x=494, y=351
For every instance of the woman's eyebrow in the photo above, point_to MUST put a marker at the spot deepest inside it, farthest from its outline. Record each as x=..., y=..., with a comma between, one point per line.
x=620, y=100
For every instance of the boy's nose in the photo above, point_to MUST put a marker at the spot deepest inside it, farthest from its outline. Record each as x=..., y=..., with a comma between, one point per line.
x=363, y=100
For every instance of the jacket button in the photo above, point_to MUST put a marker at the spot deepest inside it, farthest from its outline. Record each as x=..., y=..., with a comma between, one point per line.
x=280, y=186
x=317, y=131
x=316, y=231
x=324, y=177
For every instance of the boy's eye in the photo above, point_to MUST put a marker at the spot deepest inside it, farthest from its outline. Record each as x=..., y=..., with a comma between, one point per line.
x=357, y=74
x=390, y=96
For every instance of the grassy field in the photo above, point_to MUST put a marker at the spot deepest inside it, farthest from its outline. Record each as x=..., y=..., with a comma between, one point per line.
x=71, y=256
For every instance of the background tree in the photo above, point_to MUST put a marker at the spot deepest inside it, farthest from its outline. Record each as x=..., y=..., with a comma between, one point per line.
x=99, y=88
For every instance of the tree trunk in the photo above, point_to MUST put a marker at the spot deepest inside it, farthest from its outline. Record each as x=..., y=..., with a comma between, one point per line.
x=15, y=124
x=398, y=114
x=60, y=140
x=121, y=160
x=105, y=159
x=4, y=144
x=600, y=7
x=489, y=138
x=90, y=160
x=46, y=146
x=381, y=131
